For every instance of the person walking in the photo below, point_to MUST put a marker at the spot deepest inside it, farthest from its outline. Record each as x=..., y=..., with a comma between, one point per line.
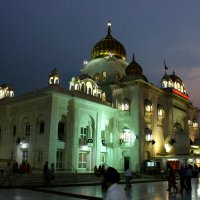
x=52, y=172
x=128, y=176
x=171, y=178
x=46, y=173
x=110, y=187
x=7, y=175
x=182, y=174
x=188, y=174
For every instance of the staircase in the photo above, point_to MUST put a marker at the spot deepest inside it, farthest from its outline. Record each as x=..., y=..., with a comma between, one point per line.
x=37, y=179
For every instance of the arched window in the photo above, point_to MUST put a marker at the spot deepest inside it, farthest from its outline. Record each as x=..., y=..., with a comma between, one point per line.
x=164, y=84
x=40, y=124
x=170, y=83
x=104, y=75
x=160, y=110
x=126, y=104
x=96, y=77
x=62, y=128
x=72, y=87
x=103, y=96
x=195, y=123
x=149, y=136
x=90, y=91
x=125, y=135
x=89, y=87
x=189, y=122
x=182, y=89
x=178, y=86
x=175, y=85
x=76, y=87
x=87, y=128
x=148, y=106
x=82, y=87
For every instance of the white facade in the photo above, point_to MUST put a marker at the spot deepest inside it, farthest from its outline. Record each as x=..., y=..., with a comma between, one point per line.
x=113, y=117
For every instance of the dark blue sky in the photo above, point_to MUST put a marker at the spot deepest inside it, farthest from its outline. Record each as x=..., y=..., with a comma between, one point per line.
x=37, y=36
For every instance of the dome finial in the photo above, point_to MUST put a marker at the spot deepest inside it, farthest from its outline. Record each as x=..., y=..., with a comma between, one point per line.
x=133, y=56
x=109, y=29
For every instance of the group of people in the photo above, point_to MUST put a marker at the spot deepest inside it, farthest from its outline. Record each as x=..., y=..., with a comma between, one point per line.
x=49, y=174
x=24, y=167
x=13, y=169
x=100, y=171
x=185, y=173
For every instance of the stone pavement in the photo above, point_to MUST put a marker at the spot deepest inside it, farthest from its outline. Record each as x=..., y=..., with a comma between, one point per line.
x=155, y=190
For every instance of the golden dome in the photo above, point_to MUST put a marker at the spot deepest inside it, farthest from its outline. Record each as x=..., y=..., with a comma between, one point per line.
x=108, y=47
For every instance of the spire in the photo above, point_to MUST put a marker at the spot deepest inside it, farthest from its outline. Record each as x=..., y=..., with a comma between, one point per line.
x=166, y=68
x=173, y=72
x=133, y=57
x=109, y=29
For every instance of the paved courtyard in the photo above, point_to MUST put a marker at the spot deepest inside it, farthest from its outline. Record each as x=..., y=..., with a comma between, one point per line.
x=140, y=191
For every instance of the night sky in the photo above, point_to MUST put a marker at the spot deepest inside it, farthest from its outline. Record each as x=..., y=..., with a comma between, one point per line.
x=39, y=35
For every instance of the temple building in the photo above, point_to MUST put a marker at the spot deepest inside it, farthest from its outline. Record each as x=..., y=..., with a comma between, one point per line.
x=110, y=115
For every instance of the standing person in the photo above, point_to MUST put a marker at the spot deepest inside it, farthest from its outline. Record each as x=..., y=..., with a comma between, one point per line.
x=52, y=171
x=182, y=174
x=7, y=174
x=110, y=186
x=28, y=168
x=128, y=176
x=171, y=178
x=102, y=172
x=46, y=173
x=188, y=174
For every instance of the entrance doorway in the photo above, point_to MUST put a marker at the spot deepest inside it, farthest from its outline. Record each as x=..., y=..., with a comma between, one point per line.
x=25, y=156
x=126, y=162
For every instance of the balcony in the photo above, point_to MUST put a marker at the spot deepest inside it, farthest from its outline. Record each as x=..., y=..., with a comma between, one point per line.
x=85, y=142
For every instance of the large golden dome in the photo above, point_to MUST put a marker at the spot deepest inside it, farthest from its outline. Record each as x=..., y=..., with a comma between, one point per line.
x=108, y=47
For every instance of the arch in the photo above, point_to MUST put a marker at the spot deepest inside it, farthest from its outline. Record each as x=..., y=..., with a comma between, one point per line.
x=87, y=127
x=76, y=86
x=104, y=75
x=61, y=131
x=72, y=87
x=126, y=104
x=26, y=128
x=96, y=77
x=83, y=87
x=40, y=124
x=164, y=84
x=13, y=127
x=170, y=83
x=148, y=105
x=160, y=110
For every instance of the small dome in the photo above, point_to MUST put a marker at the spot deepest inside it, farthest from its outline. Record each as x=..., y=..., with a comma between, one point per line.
x=54, y=72
x=133, y=72
x=175, y=78
x=134, y=68
x=108, y=46
x=166, y=77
